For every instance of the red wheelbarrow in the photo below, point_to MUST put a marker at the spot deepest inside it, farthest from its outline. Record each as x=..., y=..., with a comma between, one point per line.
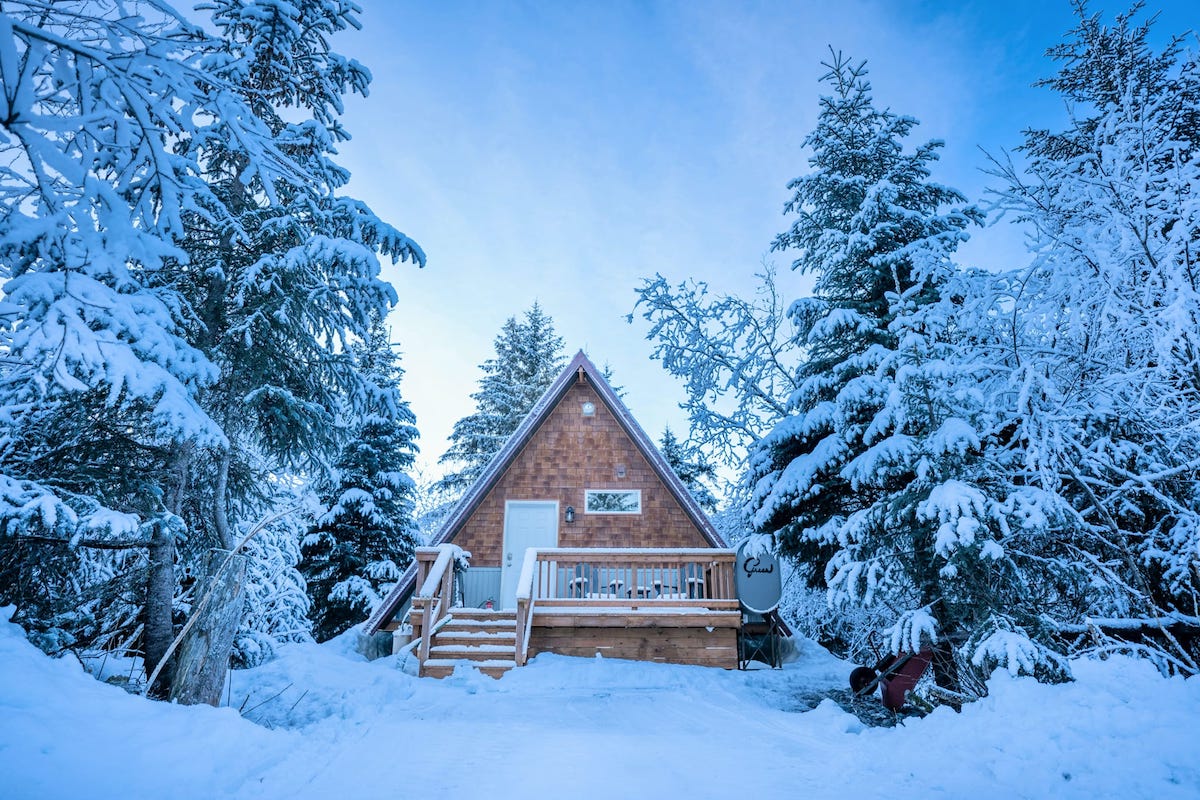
x=895, y=675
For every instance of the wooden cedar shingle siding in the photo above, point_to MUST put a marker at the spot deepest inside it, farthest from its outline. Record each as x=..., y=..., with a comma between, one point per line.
x=568, y=454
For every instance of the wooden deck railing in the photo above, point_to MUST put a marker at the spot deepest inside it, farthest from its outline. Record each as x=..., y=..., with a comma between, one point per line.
x=435, y=594
x=525, y=600
x=641, y=579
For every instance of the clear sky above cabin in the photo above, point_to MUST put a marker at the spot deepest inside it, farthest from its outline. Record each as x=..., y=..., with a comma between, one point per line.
x=562, y=151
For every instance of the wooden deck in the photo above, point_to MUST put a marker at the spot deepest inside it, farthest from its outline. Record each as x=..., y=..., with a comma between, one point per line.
x=670, y=606
x=707, y=638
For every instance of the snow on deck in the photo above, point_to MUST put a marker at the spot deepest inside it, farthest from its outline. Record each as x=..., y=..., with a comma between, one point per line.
x=471, y=648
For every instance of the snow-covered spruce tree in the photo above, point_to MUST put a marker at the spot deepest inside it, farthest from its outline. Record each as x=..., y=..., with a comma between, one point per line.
x=692, y=467
x=606, y=372
x=1099, y=339
x=100, y=122
x=365, y=538
x=284, y=290
x=277, y=603
x=529, y=356
x=73, y=565
x=853, y=480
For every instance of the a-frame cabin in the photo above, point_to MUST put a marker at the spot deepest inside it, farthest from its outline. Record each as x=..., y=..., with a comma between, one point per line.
x=581, y=540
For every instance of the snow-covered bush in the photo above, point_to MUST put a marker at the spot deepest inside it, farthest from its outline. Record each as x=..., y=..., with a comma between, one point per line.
x=999, y=644
x=844, y=630
x=277, y=603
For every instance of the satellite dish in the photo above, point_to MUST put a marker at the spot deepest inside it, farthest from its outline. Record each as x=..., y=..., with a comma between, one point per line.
x=756, y=576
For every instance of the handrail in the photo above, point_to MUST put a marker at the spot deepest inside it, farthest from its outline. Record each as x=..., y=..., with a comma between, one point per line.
x=437, y=591
x=644, y=553
x=440, y=566
x=658, y=577
x=525, y=601
x=636, y=603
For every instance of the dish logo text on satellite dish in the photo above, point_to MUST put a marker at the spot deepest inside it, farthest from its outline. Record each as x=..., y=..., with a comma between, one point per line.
x=754, y=565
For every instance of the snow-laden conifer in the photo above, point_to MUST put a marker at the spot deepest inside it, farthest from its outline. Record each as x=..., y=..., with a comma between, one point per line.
x=692, y=467
x=103, y=115
x=364, y=538
x=528, y=357
x=99, y=124
x=878, y=424
x=277, y=603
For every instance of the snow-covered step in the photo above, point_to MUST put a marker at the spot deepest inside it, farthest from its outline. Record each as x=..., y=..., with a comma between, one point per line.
x=473, y=637
x=479, y=631
x=444, y=667
x=483, y=614
x=462, y=612
x=480, y=652
x=481, y=624
x=483, y=638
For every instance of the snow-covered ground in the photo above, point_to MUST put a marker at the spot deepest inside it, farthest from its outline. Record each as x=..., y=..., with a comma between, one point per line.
x=321, y=722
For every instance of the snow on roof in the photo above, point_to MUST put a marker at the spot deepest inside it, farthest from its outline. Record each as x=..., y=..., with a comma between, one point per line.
x=580, y=365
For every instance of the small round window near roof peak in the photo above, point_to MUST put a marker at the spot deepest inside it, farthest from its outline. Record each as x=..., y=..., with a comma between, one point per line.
x=589, y=409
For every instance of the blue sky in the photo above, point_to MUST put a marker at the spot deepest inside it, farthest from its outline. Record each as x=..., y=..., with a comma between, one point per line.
x=562, y=151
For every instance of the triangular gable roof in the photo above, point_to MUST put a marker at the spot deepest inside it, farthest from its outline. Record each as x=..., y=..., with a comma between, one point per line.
x=580, y=365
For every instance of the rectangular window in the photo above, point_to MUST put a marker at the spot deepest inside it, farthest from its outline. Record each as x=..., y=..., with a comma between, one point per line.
x=613, y=501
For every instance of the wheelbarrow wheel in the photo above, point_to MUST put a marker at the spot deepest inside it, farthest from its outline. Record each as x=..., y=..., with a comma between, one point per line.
x=863, y=680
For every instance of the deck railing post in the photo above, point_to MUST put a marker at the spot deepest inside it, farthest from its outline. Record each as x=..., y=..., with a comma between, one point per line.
x=522, y=610
x=426, y=630
x=447, y=588
x=531, y=570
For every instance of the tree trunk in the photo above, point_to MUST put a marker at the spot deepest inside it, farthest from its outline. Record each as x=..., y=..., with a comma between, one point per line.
x=157, y=628
x=181, y=467
x=220, y=501
x=945, y=667
x=203, y=658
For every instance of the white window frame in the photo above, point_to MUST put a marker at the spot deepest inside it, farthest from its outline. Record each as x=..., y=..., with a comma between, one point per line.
x=587, y=496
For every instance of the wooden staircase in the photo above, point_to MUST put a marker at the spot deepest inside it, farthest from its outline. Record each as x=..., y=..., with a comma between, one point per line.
x=482, y=638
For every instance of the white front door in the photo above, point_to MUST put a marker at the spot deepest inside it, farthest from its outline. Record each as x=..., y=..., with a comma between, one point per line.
x=527, y=523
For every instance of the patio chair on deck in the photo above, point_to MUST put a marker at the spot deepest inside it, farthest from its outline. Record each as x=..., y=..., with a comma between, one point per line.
x=610, y=582
x=580, y=581
x=666, y=583
x=642, y=584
